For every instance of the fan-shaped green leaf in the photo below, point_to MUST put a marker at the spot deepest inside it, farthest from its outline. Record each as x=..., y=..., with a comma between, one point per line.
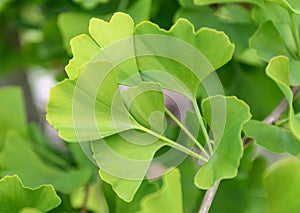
x=168, y=198
x=72, y=105
x=83, y=49
x=104, y=34
x=14, y=197
x=228, y=148
x=180, y=67
x=124, y=160
x=204, y=16
x=117, y=33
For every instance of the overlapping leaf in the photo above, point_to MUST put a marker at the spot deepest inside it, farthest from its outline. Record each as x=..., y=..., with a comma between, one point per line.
x=72, y=105
x=228, y=148
x=179, y=70
x=103, y=34
x=125, y=158
x=121, y=27
x=14, y=197
x=278, y=69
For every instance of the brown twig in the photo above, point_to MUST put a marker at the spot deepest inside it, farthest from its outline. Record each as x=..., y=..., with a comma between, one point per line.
x=270, y=119
x=280, y=109
x=208, y=198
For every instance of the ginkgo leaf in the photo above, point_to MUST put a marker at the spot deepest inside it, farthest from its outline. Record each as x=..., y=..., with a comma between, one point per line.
x=275, y=21
x=145, y=103
x=124, y=158
x=273, y=138
x=228, y=148
x=166, y=199
x=124, y=163
x=118, y=33
x=181, y=71
x=206, y=16
x=14, y=197
x=83, y=49
x=72, y=105
x=278, y=70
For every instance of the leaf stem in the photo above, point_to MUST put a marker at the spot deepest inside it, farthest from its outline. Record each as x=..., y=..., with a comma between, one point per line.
x=174, y=144
x=202, y=126
x=187, y=132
